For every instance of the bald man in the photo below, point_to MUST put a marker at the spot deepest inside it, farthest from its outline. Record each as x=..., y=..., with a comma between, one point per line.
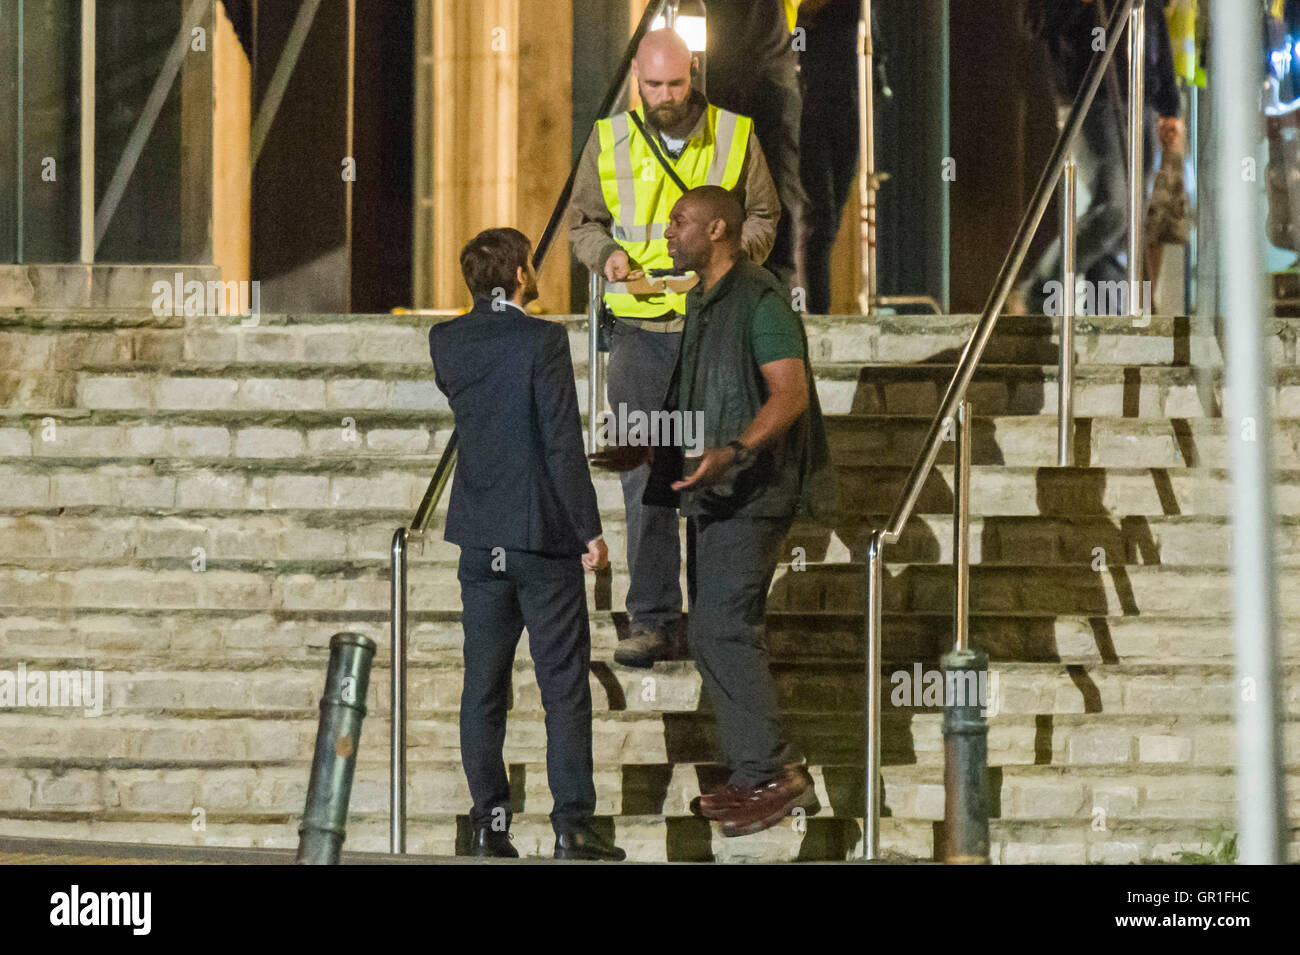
x=743, y=373
x=634, y=167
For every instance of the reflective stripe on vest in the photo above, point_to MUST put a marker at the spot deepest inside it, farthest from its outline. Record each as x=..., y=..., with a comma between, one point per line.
x=640, y=195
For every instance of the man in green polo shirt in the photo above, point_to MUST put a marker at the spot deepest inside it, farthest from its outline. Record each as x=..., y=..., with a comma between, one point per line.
x=743, y=373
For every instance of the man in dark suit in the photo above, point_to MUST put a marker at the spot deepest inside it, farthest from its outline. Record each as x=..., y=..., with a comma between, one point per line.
x=523, y=510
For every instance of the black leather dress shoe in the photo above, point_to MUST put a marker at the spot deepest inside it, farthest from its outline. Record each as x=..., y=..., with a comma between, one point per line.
x=586, y=844
x=486, y=842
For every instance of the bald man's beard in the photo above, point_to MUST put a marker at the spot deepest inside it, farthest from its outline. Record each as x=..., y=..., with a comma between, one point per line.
x=668, y=115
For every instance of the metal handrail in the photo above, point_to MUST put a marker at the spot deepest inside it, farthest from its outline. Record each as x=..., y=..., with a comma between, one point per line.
x=956, y=393
x=403, y=537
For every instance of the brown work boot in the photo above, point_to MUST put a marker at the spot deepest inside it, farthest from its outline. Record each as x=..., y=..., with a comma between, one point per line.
x=764, y=806
x=644, y=646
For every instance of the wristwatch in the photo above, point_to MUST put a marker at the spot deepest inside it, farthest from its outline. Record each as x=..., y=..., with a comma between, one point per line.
x=743, y=453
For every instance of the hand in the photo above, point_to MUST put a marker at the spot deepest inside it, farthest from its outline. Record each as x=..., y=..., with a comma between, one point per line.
x=620, y=457
x=714, y=464
x=617, y=267
x=597, y=556
x=1171, y=132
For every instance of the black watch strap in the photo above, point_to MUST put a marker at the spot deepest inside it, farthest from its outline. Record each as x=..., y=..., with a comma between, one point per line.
x=743, y=453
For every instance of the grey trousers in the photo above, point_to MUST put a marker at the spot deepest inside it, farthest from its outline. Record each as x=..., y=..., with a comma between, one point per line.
x=640, y=366
x=730, y=564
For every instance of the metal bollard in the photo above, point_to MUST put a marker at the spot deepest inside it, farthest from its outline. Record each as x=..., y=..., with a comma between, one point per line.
x=342, y=708
x=965, y=758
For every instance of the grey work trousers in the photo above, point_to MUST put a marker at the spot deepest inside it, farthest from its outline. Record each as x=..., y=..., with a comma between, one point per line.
x=640, y=366
x=729, y=568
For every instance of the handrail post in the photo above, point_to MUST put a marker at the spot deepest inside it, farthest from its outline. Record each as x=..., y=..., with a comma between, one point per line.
x=961, y=524
x=871, y=774
x=965, y=732
x=87, y=120
x=595, y=304
x=867, y=181
x=1065, y=375
x=1260, y=717
x=1136, y=166
x=397, y=749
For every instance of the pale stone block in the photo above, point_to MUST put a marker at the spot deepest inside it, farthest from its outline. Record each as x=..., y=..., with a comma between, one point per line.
x=402, y=440
x=200, y=394
x=1164, y=749
x=114, y=392
x=282, y=393
x=268, y=443
x=190, y=441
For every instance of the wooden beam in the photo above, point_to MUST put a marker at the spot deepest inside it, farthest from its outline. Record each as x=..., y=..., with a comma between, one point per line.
x=231, y=174
x=545, y=128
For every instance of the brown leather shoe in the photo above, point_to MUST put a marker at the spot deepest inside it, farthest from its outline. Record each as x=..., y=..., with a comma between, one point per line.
x=764, y=806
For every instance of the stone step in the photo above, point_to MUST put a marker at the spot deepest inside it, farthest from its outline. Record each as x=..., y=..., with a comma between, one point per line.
x=834, y=688
x=656, y=839
x=191, y=639
x=839, y=588
x=413, y=439
x=209, y=737
x=125, y=338
x=369, y=487
x=1134, y=391
x=1017, y=793
x=1137, y=391
x=1026, y=441
x=48, y=541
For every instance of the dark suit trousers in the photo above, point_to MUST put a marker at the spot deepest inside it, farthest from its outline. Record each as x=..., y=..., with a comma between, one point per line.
x=730, y=564
x=548, y=596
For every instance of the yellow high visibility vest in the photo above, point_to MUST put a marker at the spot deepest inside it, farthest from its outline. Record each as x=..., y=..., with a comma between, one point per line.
x=1182, y=37
x=640, y=196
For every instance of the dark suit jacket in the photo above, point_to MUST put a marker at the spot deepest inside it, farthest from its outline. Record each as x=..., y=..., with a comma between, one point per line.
x=521, y=476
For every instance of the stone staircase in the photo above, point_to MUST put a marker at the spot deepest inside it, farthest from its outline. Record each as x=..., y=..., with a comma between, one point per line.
x=193, y=507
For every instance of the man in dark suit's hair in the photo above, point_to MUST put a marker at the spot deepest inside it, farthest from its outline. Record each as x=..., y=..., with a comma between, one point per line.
x=523, y=510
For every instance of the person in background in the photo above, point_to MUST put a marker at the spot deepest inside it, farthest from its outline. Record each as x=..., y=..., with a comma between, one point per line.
x=828, y=146
x=1067, y=28
x=523, y=510
x=752, y=69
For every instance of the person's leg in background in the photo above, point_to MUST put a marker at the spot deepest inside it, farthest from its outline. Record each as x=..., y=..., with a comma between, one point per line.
x=1101, y=227
x=493, y=624
x=640, y=366
x=828, y=167
x=776, y=116
x=828, y=141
